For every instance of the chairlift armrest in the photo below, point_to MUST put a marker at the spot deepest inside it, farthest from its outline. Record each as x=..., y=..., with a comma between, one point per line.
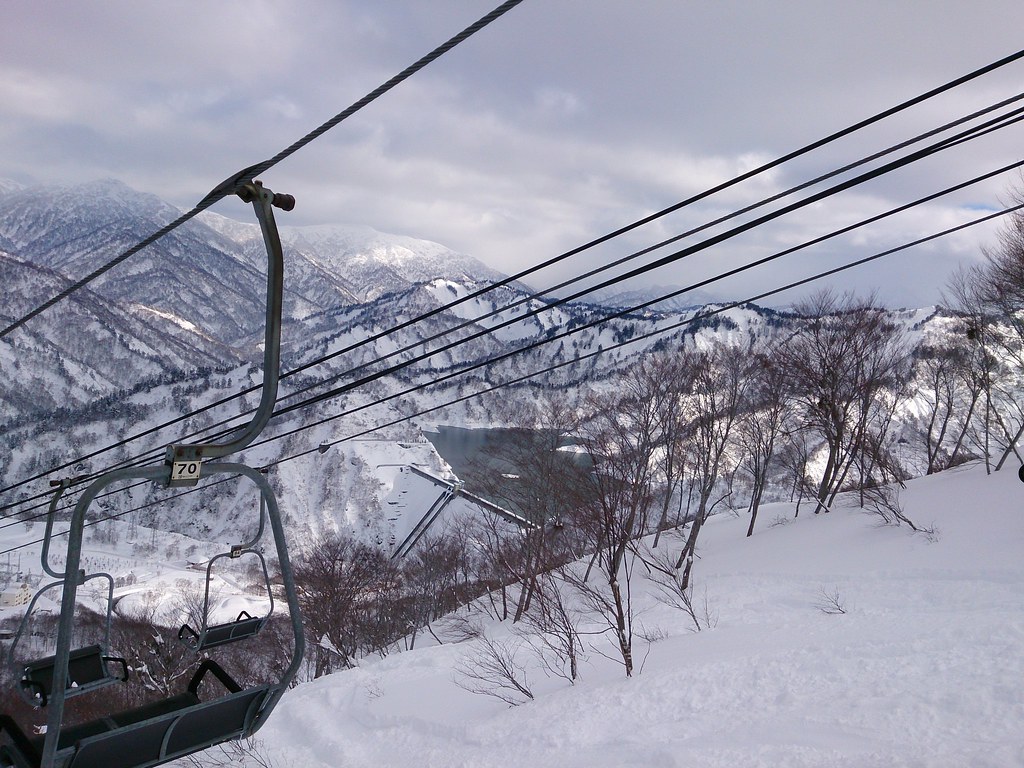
x=209, y=665
x=123, y=677
x=187, y=630
x=37, y=689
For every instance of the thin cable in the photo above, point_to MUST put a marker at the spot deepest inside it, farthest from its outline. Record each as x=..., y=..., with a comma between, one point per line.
x=980, y=130
x=229, y=185
x=659, y=331
x=992, y=125
x=716, y=189
x=525, y=273
x=624, y=312
x=699, y=317
x=913, y=157
x=657, y=264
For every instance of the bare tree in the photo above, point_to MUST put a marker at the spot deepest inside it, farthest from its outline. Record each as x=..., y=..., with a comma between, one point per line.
x=498, y=564
x=990, y=297
x=878, y=460
x=529, y=474
x=620, y=434
x=431, y=577
x=951, y=389
x=717, y=397
x=762, y=424
x=794, y=456
x=157, y=661
x=491, y=669
x=553, y=627
x=830, y=602
x=998, y=287
x=843, y=358
x=884, y=502
x=670, y=591
x=338, y=577
x=669, y=378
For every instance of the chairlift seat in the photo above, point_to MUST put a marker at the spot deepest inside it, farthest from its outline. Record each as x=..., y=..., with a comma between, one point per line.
x=148, y=735
x=88, y=669
x=243, y=627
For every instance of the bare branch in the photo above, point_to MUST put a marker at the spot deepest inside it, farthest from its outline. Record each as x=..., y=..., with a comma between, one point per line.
x=491, y=670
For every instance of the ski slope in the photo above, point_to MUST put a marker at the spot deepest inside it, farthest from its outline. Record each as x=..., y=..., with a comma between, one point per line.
x=925, y=668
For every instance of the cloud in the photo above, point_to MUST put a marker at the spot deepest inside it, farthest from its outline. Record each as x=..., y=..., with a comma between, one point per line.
x=559, y=123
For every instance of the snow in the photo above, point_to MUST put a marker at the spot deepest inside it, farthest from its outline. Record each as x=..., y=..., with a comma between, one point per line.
x=923, y=669
x=143, y=583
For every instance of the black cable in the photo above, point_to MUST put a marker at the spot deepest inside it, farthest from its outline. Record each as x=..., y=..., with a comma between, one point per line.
x=955, y=140
x=699, y=317
x=232, y=183
x=227, y=187
x=661, y=262
x=1001, y=122
x=993, y=124
x=624, y=312
x=978, y=131
x=577, y=250
x=525, y=273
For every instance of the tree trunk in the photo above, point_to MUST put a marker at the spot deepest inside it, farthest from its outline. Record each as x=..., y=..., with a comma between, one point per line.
x=621, y=630
x=755, y=503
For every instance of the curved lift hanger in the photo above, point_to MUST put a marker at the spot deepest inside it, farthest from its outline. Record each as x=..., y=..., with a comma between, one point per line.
x=181, y=725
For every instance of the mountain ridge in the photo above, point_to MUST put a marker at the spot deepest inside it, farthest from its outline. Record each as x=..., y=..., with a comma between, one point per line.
x=110, y=362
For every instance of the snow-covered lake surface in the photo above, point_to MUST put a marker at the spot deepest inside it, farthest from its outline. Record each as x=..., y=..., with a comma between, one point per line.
x=924, y=668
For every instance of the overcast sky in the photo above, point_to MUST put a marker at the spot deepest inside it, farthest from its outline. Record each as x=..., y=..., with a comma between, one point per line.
x=561, y=121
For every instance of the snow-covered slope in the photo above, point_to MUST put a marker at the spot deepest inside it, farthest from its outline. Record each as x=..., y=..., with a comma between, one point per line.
x=924, y=668
x=179, y=327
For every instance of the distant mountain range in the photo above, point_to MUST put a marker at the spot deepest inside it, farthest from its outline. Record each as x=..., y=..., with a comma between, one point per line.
x=632, y=298
x=193, y=300
x=180, y=325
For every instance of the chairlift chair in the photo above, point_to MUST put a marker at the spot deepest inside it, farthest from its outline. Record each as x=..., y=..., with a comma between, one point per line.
x=183, y=724
x=244, y=626
x=166, y=729
x=90, y=666
x=148, y=735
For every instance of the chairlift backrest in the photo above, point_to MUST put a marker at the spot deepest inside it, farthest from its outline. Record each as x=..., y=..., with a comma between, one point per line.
x=148, y=735
x=242, y=628
x=88, y=669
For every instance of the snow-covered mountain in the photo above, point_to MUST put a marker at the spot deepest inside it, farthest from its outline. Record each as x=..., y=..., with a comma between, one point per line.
x=208, y=271
x=178, y=327
x=197, y=295
x=609, y=297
